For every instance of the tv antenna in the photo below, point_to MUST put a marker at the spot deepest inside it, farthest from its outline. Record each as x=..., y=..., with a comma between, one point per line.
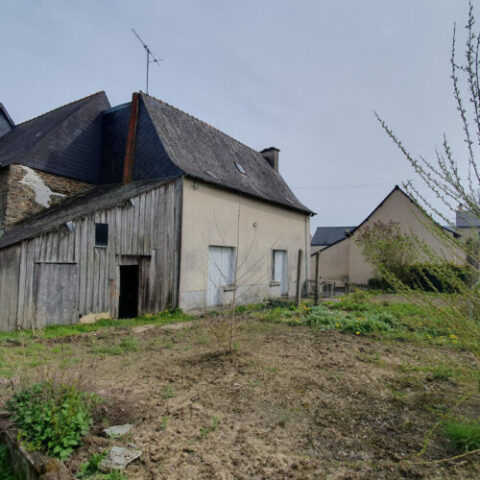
x=149, y=54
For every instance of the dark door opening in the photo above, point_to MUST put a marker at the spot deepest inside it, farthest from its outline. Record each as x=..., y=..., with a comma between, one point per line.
x=128, y=302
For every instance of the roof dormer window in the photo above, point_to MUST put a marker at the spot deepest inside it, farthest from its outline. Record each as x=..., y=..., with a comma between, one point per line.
x=240, y=168
x=211, y=174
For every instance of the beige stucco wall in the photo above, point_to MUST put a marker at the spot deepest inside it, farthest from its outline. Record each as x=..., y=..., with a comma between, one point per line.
x=469, y=232
x=210, y=218
x=396, y=208
x=334, y=262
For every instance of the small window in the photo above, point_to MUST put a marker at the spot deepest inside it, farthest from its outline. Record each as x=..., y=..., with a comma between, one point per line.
x=101, y=234
x=240, y=168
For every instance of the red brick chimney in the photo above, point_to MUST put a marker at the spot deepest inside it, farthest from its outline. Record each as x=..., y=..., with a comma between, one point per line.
x=131, y=136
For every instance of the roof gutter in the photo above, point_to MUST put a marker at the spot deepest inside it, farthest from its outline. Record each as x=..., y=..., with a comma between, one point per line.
x=131, y=138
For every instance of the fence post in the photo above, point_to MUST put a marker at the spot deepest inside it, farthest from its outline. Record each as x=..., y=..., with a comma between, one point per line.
x=299, y=274
x=317, y=264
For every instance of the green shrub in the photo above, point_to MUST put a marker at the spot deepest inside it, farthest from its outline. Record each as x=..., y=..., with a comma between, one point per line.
x=441, y=278
x=382, y=284
x=463, y=435
x=52, y=418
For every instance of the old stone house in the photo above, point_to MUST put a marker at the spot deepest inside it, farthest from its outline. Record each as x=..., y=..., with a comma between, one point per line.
x=341, y=259
x=114, y=212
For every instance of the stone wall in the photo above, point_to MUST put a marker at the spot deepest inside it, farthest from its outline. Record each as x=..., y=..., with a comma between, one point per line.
x=25, y=191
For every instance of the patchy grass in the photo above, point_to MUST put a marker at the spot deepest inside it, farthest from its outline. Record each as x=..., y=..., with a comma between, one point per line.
x=463, y=434
x=57, y=331
x=361, y=314
x=303, y=395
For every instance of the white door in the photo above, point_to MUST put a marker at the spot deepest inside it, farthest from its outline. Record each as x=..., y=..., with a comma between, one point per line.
x=280, y=270
x=221, y=267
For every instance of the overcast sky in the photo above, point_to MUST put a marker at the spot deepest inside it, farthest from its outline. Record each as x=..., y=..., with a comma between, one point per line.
x=301, y=75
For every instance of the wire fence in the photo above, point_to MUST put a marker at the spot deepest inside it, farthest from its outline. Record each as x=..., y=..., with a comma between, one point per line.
x=331, y=288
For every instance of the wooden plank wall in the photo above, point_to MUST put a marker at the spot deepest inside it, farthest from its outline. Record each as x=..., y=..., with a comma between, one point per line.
x=144, y=232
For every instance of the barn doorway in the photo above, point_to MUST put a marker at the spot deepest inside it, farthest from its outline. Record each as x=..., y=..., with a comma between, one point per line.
x=128, y=302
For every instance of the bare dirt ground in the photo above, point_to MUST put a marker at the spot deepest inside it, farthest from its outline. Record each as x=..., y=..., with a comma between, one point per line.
x=289, y=403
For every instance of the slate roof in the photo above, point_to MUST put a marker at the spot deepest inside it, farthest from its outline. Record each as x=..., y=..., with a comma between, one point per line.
x=466, y=219
x=6, y=123
x=329, y=235
x=96, y=198
x=65, y=141
x=203, y=152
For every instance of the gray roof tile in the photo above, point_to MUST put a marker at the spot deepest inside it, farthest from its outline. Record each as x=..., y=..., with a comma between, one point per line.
x=65, y=141
x=201, y=150
x=329, y=235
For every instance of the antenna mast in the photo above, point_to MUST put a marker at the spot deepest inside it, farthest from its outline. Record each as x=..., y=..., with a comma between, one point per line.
x=149, y=54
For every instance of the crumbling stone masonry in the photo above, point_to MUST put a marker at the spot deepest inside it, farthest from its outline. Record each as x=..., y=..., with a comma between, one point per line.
x=25, y=191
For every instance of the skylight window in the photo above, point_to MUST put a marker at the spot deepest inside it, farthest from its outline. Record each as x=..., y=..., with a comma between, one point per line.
x=240, y=168
x=211, y=174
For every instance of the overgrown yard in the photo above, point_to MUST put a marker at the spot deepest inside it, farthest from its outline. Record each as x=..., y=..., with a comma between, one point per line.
x=340, y=391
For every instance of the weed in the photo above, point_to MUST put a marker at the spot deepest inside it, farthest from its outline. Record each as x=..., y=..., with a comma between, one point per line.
x=109, y=349
x=463, y=434
x=167, y=392
x=52, y=418
x=90, y=468
x=204, y=431
x=6, y=472
x=114, y=475
x=129, y=344
x=283, y=421
x=215, y=422
x=163, y=423
x=202, y=340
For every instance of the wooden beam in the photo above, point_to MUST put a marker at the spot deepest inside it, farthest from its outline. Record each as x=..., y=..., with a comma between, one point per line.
x=299, y=274
x=317, y=268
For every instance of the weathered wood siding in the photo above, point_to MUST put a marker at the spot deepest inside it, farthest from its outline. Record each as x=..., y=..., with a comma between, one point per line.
x=60, y=276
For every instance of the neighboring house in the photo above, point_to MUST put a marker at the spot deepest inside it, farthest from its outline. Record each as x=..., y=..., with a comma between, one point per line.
x=133, y=209
x=325, y=236
x=342, y=260
x=467, y=224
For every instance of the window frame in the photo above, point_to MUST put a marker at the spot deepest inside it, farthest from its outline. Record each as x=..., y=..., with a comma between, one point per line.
x=278, y=283
x=101, y=238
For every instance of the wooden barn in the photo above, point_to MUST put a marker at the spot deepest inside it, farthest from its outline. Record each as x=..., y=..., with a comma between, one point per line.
x=113, y=251
x=118, y=212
